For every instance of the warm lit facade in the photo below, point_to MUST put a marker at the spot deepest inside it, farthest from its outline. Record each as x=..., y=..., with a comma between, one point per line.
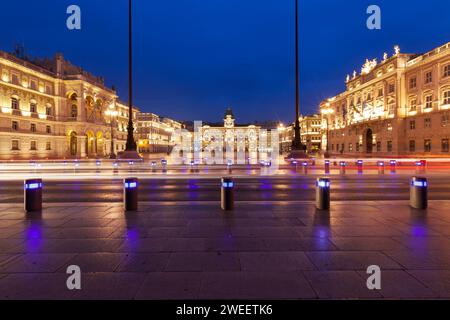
x=53, y=109
x=398, y=107
x=310, y=132
x=247, y=137
x=156, y=134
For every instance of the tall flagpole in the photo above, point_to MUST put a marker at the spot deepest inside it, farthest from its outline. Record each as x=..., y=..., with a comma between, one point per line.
x=131, y=144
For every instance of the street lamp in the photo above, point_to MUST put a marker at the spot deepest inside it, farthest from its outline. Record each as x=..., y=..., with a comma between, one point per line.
x=112, y=116
x=298, y=149
x=326, y=112
x=131, y=146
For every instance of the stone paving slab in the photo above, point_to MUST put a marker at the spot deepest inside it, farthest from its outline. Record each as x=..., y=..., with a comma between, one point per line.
x=273, y=250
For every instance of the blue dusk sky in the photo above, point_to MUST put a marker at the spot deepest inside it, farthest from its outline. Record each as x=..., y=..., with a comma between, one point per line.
x=193, y=58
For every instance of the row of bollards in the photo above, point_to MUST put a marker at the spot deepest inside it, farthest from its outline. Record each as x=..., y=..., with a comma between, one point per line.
x=33, y=194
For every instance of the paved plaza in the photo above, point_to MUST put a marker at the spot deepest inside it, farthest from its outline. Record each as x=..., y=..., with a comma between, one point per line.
x=279, y=250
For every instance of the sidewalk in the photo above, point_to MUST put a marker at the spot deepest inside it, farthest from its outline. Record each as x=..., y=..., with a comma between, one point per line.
x=271, y=250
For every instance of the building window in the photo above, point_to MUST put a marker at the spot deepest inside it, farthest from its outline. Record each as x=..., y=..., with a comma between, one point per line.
x=446, y=97
x=445, y=119
x=378, y=146
x=391, y=88
x=48, y=146
x=380, y=92
x=15, y=145
x=389, y=146
x=412, y=125
x=33, y=85
x=48, y=110
x=445, y=145
x=413, y=83
x=428, y=77
x=74, y=111
x=15, y=79
x=350, y=147
x=14, y=103
x=427, y=145
x=15, y=126
x=427, y=123
x=33, y=127
x=49, y=129
x=357, y=146
x=33, y=107
x=48, y=89
x=429, y=101
x=33, y=145
x=412, y=146
x=447, y=71
x=413, y=105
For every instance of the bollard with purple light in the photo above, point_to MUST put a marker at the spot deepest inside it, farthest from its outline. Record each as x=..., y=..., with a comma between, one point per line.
x=420, y=167
x=419, y=193
x=380, y=165
x=360, y=164
x=164, y=165
x=227, y=194
x=393, y=164
x=305, y=167
x=33, y=195
x=323, y=186
x=343, y=166
x=130, y=194
x=327, y=166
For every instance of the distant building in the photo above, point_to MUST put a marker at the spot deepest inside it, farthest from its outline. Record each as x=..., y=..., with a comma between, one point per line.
x=156, y=134
x=231, y=133
x=310, y=132
x=397, y=107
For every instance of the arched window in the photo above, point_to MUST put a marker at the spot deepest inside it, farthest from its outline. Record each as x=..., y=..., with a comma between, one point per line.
x=15, y=103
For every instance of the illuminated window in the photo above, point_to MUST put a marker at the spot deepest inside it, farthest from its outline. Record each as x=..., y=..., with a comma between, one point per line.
x=446, y=97
x=413, y=105
x=14, y=103
x=427, y=145
x=445, y=119
x=33, y=84
x=48, y=89
x=15, y=79
x=15, y=125
x=447, y=71
x=33, y=107
x=412, y=146
x=427, y=123
x=445, y=145
x=391, y=88
x=48, y=129
x=389, y=146
x=380, y=92
x=413, y=83
x=429, y=101
x=412, y=125
x=74, y=111
x=48, y=146
x=350, y=147
x=15, y=145
x=33, y=145
x=428, y=77
x=48, y=110
x=33, y=127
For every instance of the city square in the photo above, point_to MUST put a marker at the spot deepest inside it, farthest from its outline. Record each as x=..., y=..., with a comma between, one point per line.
x=109, y=193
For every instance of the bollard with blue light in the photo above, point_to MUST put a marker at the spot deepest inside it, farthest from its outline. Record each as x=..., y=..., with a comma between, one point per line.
x=327, y=166
x=360, y=164
x=164, y=165
x=380, y=165
x=393, y=164
x=305, y=167
x=227, y=194
x=323, y=186
x=343, y=166
x=294, y=163
x=153, y=165
x=230, y=166
x=33, y=195
x=419, y=193
x=130, y=194
x=420, y=168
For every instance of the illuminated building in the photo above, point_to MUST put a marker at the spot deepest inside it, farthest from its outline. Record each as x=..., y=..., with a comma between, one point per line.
x=310, y=133
x=397, y=107
x=156, y=134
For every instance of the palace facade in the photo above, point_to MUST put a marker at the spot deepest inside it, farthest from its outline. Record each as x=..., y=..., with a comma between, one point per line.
x=51, y=109
x=398, y=107
x=310, y=133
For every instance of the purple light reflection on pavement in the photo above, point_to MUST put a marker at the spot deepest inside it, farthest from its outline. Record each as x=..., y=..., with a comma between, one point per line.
x=33, y=237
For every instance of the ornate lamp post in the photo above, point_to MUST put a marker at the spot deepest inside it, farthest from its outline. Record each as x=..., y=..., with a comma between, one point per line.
x=112, y=116
x=298, y=149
